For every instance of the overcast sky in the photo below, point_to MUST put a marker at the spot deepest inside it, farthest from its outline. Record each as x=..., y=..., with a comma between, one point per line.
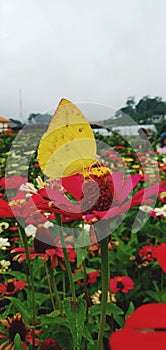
x=92, y=51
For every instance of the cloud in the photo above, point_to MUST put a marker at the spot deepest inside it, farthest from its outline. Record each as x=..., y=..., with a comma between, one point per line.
x=91, y=51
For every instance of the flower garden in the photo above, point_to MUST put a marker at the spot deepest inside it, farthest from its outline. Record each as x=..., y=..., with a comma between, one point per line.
x=74, y=269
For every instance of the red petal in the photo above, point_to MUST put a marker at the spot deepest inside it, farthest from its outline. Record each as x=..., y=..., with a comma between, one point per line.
x=147, y=316
x=73, y=185
x=2, y=288
x=161, y=256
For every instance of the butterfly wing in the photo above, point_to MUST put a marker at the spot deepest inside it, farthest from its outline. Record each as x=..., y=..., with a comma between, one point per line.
x=69, y=145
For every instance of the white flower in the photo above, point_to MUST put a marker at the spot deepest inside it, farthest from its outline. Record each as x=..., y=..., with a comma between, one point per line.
x=4, y=264
x=96, y=297
x=48, y=224
x=40, y=182
x=30, y=230
x=3, y=226
x=14, y=155
x=28, y=153
x=146, y=208
x=87, y=227
x=164, y=160
x=161, y=211
x=28, y=188
x=4, y=243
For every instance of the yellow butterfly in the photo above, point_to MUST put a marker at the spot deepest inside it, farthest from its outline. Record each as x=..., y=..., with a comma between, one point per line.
x=68, y=146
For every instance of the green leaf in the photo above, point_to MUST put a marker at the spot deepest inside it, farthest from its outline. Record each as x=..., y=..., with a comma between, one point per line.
x=22, y=308
x=112, y=309
x=18, y=275
x=78, y=276
x=54, y=313
x=50, y=320
x=87, y=335
x=119, y=320
x=76, y=315
x=155, y=296
x=17, y=342
x=81, y=255
x=83, y=239
x=130, y=309
x=92, y=346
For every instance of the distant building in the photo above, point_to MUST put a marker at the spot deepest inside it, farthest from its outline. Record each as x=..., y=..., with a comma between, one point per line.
x=133, y=129
x=4, y=124
x=158, y=118
x=41, y=119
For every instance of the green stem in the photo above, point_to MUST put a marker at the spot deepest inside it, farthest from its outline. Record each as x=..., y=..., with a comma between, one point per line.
x=67, y=263
x=49, y=286
x=25, y=242
x=104, y=281
x=64, y=284
x=55, y=289
x=87, y=297
x=162, y=280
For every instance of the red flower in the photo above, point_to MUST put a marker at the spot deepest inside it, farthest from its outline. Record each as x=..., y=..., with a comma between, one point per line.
x=50, y=344
x=13, y=228
x=13, y=182
x=46, y=248
x=15, y=325
x=162, y=197
x=121, y=283
x=161, y=256
x=119, y=147
x=12, y=286
x=145, y=328
x=5, y=210
x=111, y=192
x=91, y=277
x=36, y=165
x=147, y=252
x=57, y=252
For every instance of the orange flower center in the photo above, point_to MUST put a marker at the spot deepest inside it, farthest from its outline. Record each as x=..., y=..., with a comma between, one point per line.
x=98, y=190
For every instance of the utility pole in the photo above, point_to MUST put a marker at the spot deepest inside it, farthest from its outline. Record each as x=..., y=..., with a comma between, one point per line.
x=20, y=106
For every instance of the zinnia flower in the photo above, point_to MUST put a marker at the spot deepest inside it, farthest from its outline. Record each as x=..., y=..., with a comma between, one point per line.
x=161, y=212
x=97, y=296
x=12, y=286
x=15, y=325
x=4, y=265
x=145, y=328
x=4, y=243
x=160, y=253
x=46, y=248
x=147, y=252
x=50, y=344
x=3, y=226
x=121, y=284
x=90, y=278
x=13, y=182
x=99, y=194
